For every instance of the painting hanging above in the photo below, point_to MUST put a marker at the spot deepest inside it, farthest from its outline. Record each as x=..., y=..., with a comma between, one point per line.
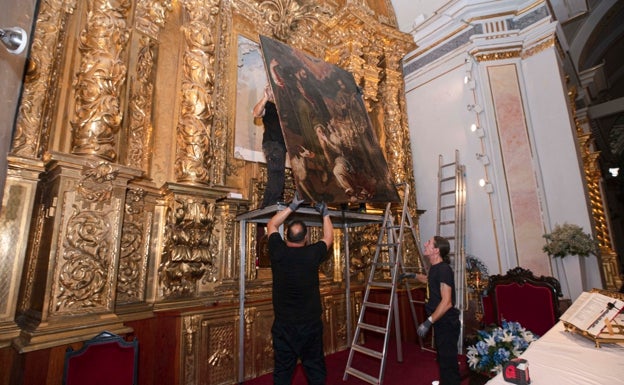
x=333, y=151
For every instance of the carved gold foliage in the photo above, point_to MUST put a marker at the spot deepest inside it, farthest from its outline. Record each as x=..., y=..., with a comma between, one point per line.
x=130, y=285
x=288, y=16
x=87, y=254
x=140, y=108
x=100, y=78
x=194, y=153
x=501, y=55
x=187, y=251
x=96, y=184
x=31, y=127
x=151, y=16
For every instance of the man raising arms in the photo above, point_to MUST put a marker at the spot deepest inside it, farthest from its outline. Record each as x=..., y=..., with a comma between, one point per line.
x=297, y=328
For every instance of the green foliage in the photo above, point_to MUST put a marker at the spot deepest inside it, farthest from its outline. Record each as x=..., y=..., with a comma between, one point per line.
x=569, y=239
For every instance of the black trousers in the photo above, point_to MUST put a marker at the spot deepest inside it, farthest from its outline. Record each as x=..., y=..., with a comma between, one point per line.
x=446, y=335
x=292, y=341
x=275, y=155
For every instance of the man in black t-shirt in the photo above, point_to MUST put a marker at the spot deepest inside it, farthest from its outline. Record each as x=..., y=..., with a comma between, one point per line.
x=440, y=308
x=273, y=147
x=297, y=328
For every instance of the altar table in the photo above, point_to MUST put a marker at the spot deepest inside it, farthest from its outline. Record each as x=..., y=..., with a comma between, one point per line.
x=561, y=357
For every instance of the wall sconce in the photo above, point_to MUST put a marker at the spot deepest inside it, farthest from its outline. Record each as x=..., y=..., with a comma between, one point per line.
x=485, y=160
x=487, y=186
x=477, y=130
x=475, y=107
x=14, y=39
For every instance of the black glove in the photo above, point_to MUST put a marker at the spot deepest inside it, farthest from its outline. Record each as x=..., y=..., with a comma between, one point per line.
x=423, y=328
x=294, y=204
x=321, y=207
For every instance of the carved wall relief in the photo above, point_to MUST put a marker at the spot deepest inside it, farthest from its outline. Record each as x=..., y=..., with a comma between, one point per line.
x=187, y=252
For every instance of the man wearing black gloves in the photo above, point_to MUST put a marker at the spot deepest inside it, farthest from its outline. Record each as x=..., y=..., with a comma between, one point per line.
x=297, y=328
x=440, y=307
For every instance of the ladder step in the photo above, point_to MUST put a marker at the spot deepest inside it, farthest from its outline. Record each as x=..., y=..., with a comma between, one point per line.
x=447, y=222
x=367, y=351
x=362, y=376
x=447, y=192
x=380, y=283
x=447, y=207
x=447, y=178
x=391, y=264
x=373, y=328
x=395, y=244
x=377, y=305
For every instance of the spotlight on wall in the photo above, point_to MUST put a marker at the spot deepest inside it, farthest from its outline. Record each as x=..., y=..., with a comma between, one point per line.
x=487, y=186
x=14, y=39
x=475, y=107
x=485, y=160
x=477, y=130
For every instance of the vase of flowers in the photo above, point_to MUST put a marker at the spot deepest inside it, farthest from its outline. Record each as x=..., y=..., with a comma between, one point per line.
x=568, y=239
x=569, y=245
x=497, y=345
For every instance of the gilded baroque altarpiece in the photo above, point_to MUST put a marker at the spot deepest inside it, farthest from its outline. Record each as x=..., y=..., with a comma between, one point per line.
x=117, y=201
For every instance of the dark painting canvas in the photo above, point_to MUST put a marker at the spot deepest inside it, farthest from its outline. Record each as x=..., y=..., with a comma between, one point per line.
x=333, y=151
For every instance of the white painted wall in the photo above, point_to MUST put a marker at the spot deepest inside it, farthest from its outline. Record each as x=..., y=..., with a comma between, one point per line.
x=408, y=10
x=557, y=161
x=439, y=124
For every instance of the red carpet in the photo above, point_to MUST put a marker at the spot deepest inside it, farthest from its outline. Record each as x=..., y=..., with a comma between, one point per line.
x=419, y=367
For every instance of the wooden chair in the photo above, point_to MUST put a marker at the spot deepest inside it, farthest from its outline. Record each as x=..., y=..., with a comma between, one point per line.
x=521, y=297
x=105, y=359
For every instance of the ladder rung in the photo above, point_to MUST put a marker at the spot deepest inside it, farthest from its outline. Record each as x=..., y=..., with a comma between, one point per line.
x=395, y=244
x=362, y=376
x=377, y=305
x=367, y=351
x=390, y=264
x=447, y=178
x=380, y=283
x=447, y=207
x=373, y=328
x=447, y=222
x=447, y=192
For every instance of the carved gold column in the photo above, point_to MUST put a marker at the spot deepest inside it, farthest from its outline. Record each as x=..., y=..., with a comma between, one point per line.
x=194, y=130
x=610, y=267
x=100, y=79
x=41, y=82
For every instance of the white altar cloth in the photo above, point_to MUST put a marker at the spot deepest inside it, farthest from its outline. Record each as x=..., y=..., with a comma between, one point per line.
x=561, y=357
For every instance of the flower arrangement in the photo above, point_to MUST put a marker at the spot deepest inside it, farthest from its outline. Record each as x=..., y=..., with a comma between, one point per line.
x=569, y=239
x=497, y=345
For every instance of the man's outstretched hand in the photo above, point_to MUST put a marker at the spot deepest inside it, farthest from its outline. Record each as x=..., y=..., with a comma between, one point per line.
x=294, y=204
x=321, y=207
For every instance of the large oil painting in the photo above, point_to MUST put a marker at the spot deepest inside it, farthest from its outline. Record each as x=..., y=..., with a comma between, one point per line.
x=333, y=151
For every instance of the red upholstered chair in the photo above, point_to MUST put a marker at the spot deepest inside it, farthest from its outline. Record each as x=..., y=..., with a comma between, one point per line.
x=105, y=359
x=521, y=297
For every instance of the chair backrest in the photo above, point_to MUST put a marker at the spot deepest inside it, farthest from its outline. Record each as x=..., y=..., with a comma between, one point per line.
x=521, y=297
x=105, y=359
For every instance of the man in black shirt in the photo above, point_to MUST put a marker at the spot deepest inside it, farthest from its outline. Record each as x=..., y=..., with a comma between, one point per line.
x=273, y=147
x=297, y=328
x=440, y=307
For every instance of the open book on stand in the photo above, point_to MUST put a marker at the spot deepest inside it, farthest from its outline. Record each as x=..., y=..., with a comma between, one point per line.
x=596, y=315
